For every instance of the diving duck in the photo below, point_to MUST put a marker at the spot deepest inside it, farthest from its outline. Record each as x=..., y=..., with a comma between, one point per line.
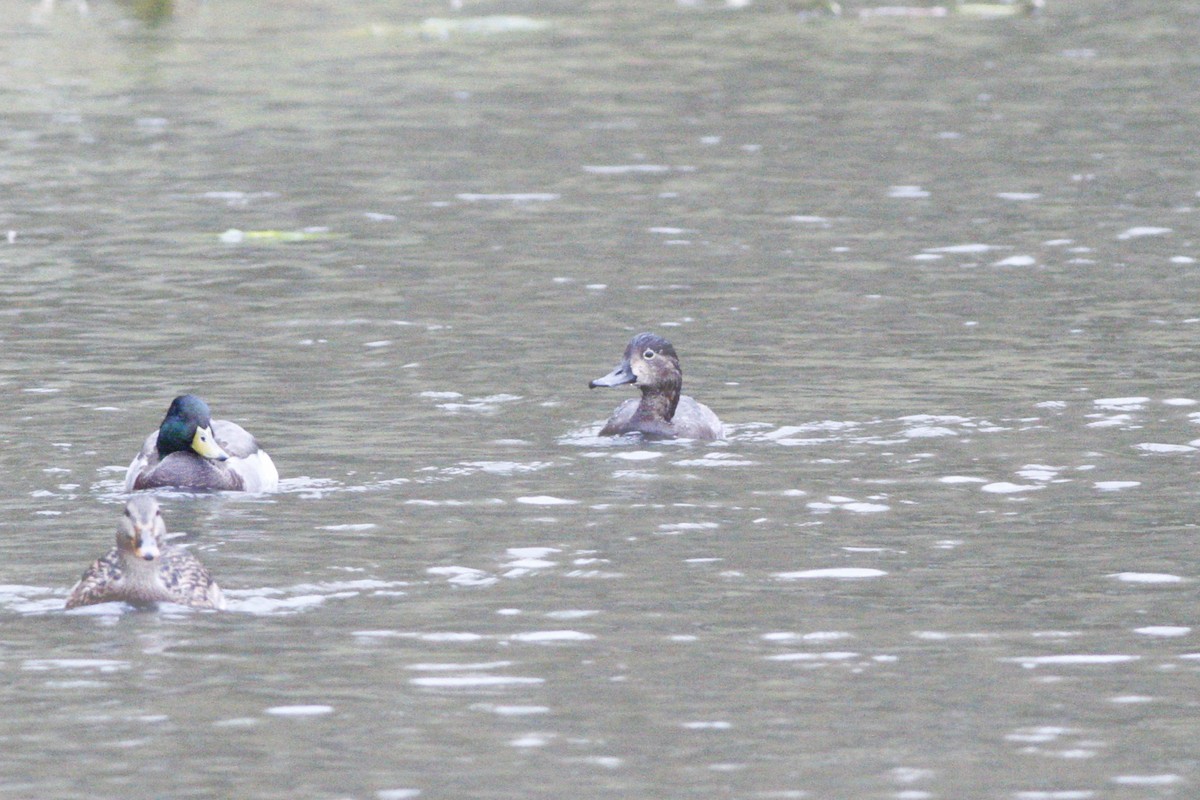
x=143, y=569
x=191, y=450
x=651, y=364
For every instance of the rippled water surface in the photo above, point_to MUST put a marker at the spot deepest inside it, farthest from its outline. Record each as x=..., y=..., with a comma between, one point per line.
x=937, y=275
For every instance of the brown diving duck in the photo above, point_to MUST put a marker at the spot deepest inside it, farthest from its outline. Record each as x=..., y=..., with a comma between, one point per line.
x=651, y=364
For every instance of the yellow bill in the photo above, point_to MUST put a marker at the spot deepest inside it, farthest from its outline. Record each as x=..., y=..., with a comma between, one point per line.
x=206, y=445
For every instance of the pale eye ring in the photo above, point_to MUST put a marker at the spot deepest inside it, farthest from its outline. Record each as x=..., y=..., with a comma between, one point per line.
x=649, y=354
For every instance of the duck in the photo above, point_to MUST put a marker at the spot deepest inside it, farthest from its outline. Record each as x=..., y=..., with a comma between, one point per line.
x=191, y=450
x=650, y=363
x=143, y=569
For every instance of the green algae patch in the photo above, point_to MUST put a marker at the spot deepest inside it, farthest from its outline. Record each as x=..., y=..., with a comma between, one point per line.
x=235, y=236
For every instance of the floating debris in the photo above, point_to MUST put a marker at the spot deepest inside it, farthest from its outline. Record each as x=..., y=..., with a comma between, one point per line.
x=996, y=10
x=235, y=236
x=1020, y=8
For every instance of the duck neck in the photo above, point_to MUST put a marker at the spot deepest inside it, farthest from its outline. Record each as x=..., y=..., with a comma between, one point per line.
x=173, y=437
x=659, y=402
x=139, y=573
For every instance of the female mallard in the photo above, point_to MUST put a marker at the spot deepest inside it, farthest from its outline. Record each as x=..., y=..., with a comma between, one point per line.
x=191, y=450
x=651, y=363
x=143, y=569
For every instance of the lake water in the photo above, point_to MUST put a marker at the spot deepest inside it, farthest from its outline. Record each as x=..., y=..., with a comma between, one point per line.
x=937, y=275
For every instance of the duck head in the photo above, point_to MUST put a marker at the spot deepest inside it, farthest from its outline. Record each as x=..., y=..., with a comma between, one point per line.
x=650, y=363
x=188, y=426
x=141, y=529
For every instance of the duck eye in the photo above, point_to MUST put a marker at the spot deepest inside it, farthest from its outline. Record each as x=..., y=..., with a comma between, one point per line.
x=649, y=354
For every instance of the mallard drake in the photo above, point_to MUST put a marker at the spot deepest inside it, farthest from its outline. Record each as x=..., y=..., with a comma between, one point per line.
x=191, y=450
x=143, y=569
x=650, y=362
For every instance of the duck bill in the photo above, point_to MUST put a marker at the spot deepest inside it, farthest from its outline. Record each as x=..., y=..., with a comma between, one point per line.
x=205, y=444
x=146, y=548
x=620, y=376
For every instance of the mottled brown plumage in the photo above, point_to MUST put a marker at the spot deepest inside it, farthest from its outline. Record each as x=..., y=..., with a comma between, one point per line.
x=143, y=569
